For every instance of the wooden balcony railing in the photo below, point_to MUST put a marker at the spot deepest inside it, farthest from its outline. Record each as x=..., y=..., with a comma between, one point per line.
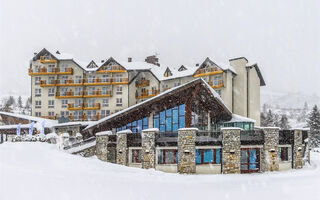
x=98, y=81
x=51, y=71
x=114, y=68
x=143, y=83
x=72, y=106
x=146, y=94
x=88, y=106
x=207, y=71
x=50, y=117
x=69, y=94
x=69, y=82
x=44, y=59
x=216, y=84
x=97, y=93
x=84, y=117
x=50, y=83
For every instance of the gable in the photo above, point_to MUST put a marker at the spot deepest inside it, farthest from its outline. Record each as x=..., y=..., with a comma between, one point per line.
x=167, y=73
x=182, y=68
x=44, y=53
x=92, y=65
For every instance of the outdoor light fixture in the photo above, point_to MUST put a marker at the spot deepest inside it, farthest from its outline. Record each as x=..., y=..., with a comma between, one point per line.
x=299, y=149
x=187, y=151
x=272, y=150
x=232, y=152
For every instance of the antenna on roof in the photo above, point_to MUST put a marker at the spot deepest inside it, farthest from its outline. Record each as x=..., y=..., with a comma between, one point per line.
x=102, y=61
x=58, y=52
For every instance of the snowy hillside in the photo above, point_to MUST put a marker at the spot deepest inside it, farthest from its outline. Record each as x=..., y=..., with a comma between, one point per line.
x=40, y=171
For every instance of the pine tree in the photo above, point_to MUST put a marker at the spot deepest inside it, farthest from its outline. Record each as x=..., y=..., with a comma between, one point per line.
x=314, y=124
x=284, y=123
x=263, y=119
x=20, y=102
x=270, y=118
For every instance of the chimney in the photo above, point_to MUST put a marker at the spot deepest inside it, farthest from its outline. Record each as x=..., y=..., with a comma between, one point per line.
x=102, y=61
x=152, y=60
x=197, y=65
x=129, y=59
x=35, y=53
x=58, y=52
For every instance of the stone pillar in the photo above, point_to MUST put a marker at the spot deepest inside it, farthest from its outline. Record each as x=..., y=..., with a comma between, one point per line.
x=297, y=149
x=270, y=149
x=102, y=139
x=231, y=147
x=148, y=148
x=187, y=150
x=122, y=154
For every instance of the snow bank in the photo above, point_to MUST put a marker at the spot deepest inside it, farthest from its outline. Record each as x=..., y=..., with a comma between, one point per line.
x=104, y=133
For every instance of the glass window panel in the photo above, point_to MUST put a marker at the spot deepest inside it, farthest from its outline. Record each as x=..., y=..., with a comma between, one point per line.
x=208, y=155
x=145, y=127
x=168, y=112
x=170, y=156
x=198, y=156
x=124, y=128
x=175, y=127
x=244, y=167
x=175, y=116
x=134, y=129
x=253, y=159
x=182, y=109
x=160, y=158
x=168, y=124
x=182, y=122
x=145, y=121
x=139, y=128
x=162, y=117
x=134, y=123
x=162, y=128
x=218, y=156
x=244, y=156
x=156, y=123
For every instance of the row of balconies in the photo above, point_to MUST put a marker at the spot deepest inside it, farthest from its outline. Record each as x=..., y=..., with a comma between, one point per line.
x=84, y=106
x=50, y=71
x=83, y=117
x=114, y=68
x=146, y=94
x=142, y=83
x=208, y=71
x=83, y=94
x=79, y=82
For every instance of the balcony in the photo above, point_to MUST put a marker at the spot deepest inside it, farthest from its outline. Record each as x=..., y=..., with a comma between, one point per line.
x=207, y=71
x=98, y=93
x=98, y=81
x=50, y=117
x=72, y=106
x=51, y=71
x=69, y=94
x=84, y=117
x=142, y=83
x=50, y=83
x=114, y=68
x=93, y=106
x=216, y=83
x=120, y=81
x=69, y=82
x=146, y=94
x=44, y=59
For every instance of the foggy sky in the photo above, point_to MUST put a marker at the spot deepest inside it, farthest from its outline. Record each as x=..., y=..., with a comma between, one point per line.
x=281, y=36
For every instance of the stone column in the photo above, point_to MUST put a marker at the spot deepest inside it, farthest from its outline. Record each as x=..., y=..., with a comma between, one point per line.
x=187, y=150
x=102, y=139
x=270, y=149
x=148, y=148
x=297, y=149
x=231, y=147
x=122, y=154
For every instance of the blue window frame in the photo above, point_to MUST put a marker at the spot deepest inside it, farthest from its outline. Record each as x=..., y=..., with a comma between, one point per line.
x=206, y=156
x=136, y=126
x=168, y=156
x=170, y=119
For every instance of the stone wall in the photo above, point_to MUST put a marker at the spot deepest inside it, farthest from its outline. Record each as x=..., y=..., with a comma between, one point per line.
x=187, y=150
x=231, y=146
x=102, y=147
x=297, y=149
x=122, y=153
x=148, y=148
x=91, y=151
x=270, y=161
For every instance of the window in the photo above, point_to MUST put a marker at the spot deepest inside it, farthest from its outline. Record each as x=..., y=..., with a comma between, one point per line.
x=171, y=119
x=64, y=103
x=78, y=91
x=105, y=78
x=78, y=103
x=168, y=156
x=37, y=80
x=64, y=91
x=119, y=90
x=38, y=114
x=119, y=102
x=91, y=102
x=38, y=92
x=51, y=114
x=51, y=104
x=91, y=114
x=206, y=156
x=91, y=79
x=51, y=92
x=105, y=102
x=105, y=90
x=64, y=114
x=78, y=79
x=92, y=90
x=136, y=156
x=51, y=68
x=136, y=126
x=105, y=113
x=38, y=104
x=51, y=80
x=118, y=78
x=63, y=68
x=283, y=153
x=176, y=84
x=77, y=115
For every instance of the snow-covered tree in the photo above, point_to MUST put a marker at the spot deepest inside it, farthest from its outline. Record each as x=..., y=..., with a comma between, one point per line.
x=270, y=118
x=20, y=102
x=314, y=124
x=284, y=123
x=303, y=115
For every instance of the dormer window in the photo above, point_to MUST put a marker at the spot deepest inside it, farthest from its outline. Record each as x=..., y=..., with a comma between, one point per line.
x=168, y=72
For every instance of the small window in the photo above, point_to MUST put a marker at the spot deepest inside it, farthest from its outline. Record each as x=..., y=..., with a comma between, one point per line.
x=51, y=104
x=38, y=114
x=38, y=104
x=38, y=92
x=119, y=90
x=206, y=156
x=105, y=103
x=168, y=156
x=64, y=103
x=37, y=80
x=119, y=102
x=51, y=92
x=136, y=156
x=283, y=153
x=51, y=114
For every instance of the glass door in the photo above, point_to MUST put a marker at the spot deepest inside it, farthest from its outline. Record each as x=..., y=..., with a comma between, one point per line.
x=250, y=160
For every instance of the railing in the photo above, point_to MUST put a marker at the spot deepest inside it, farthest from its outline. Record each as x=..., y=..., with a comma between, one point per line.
x=69, y=94
x=207, y=71
x=119, y=80
x=44, y=59
x=69, y=82
x=45, y=71
x=86, y=141
x=216, y=84
x=50, y=117
x=97, y=81
x=208, y=136
x=143, y=83
x=97, y=93
x=72, y=106
x=114, y=68
x=146, y=94
x=43, y=83
x=94, y=106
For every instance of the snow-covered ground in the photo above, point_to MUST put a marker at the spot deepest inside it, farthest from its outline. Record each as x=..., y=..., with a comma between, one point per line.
x=41, y=171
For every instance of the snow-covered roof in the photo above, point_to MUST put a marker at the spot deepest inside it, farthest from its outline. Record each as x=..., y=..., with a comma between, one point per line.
x=82, y=123
x=14, y=126
x=214, y=93
x=239, y=118
x=104, y=133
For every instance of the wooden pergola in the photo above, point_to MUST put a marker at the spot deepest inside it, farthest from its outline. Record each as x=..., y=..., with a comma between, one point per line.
x=195, y=94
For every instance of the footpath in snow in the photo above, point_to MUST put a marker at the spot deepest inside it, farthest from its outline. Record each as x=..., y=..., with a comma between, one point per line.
x=39, y=171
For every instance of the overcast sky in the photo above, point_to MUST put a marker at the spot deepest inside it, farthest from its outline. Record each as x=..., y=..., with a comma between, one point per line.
x=283, y=37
